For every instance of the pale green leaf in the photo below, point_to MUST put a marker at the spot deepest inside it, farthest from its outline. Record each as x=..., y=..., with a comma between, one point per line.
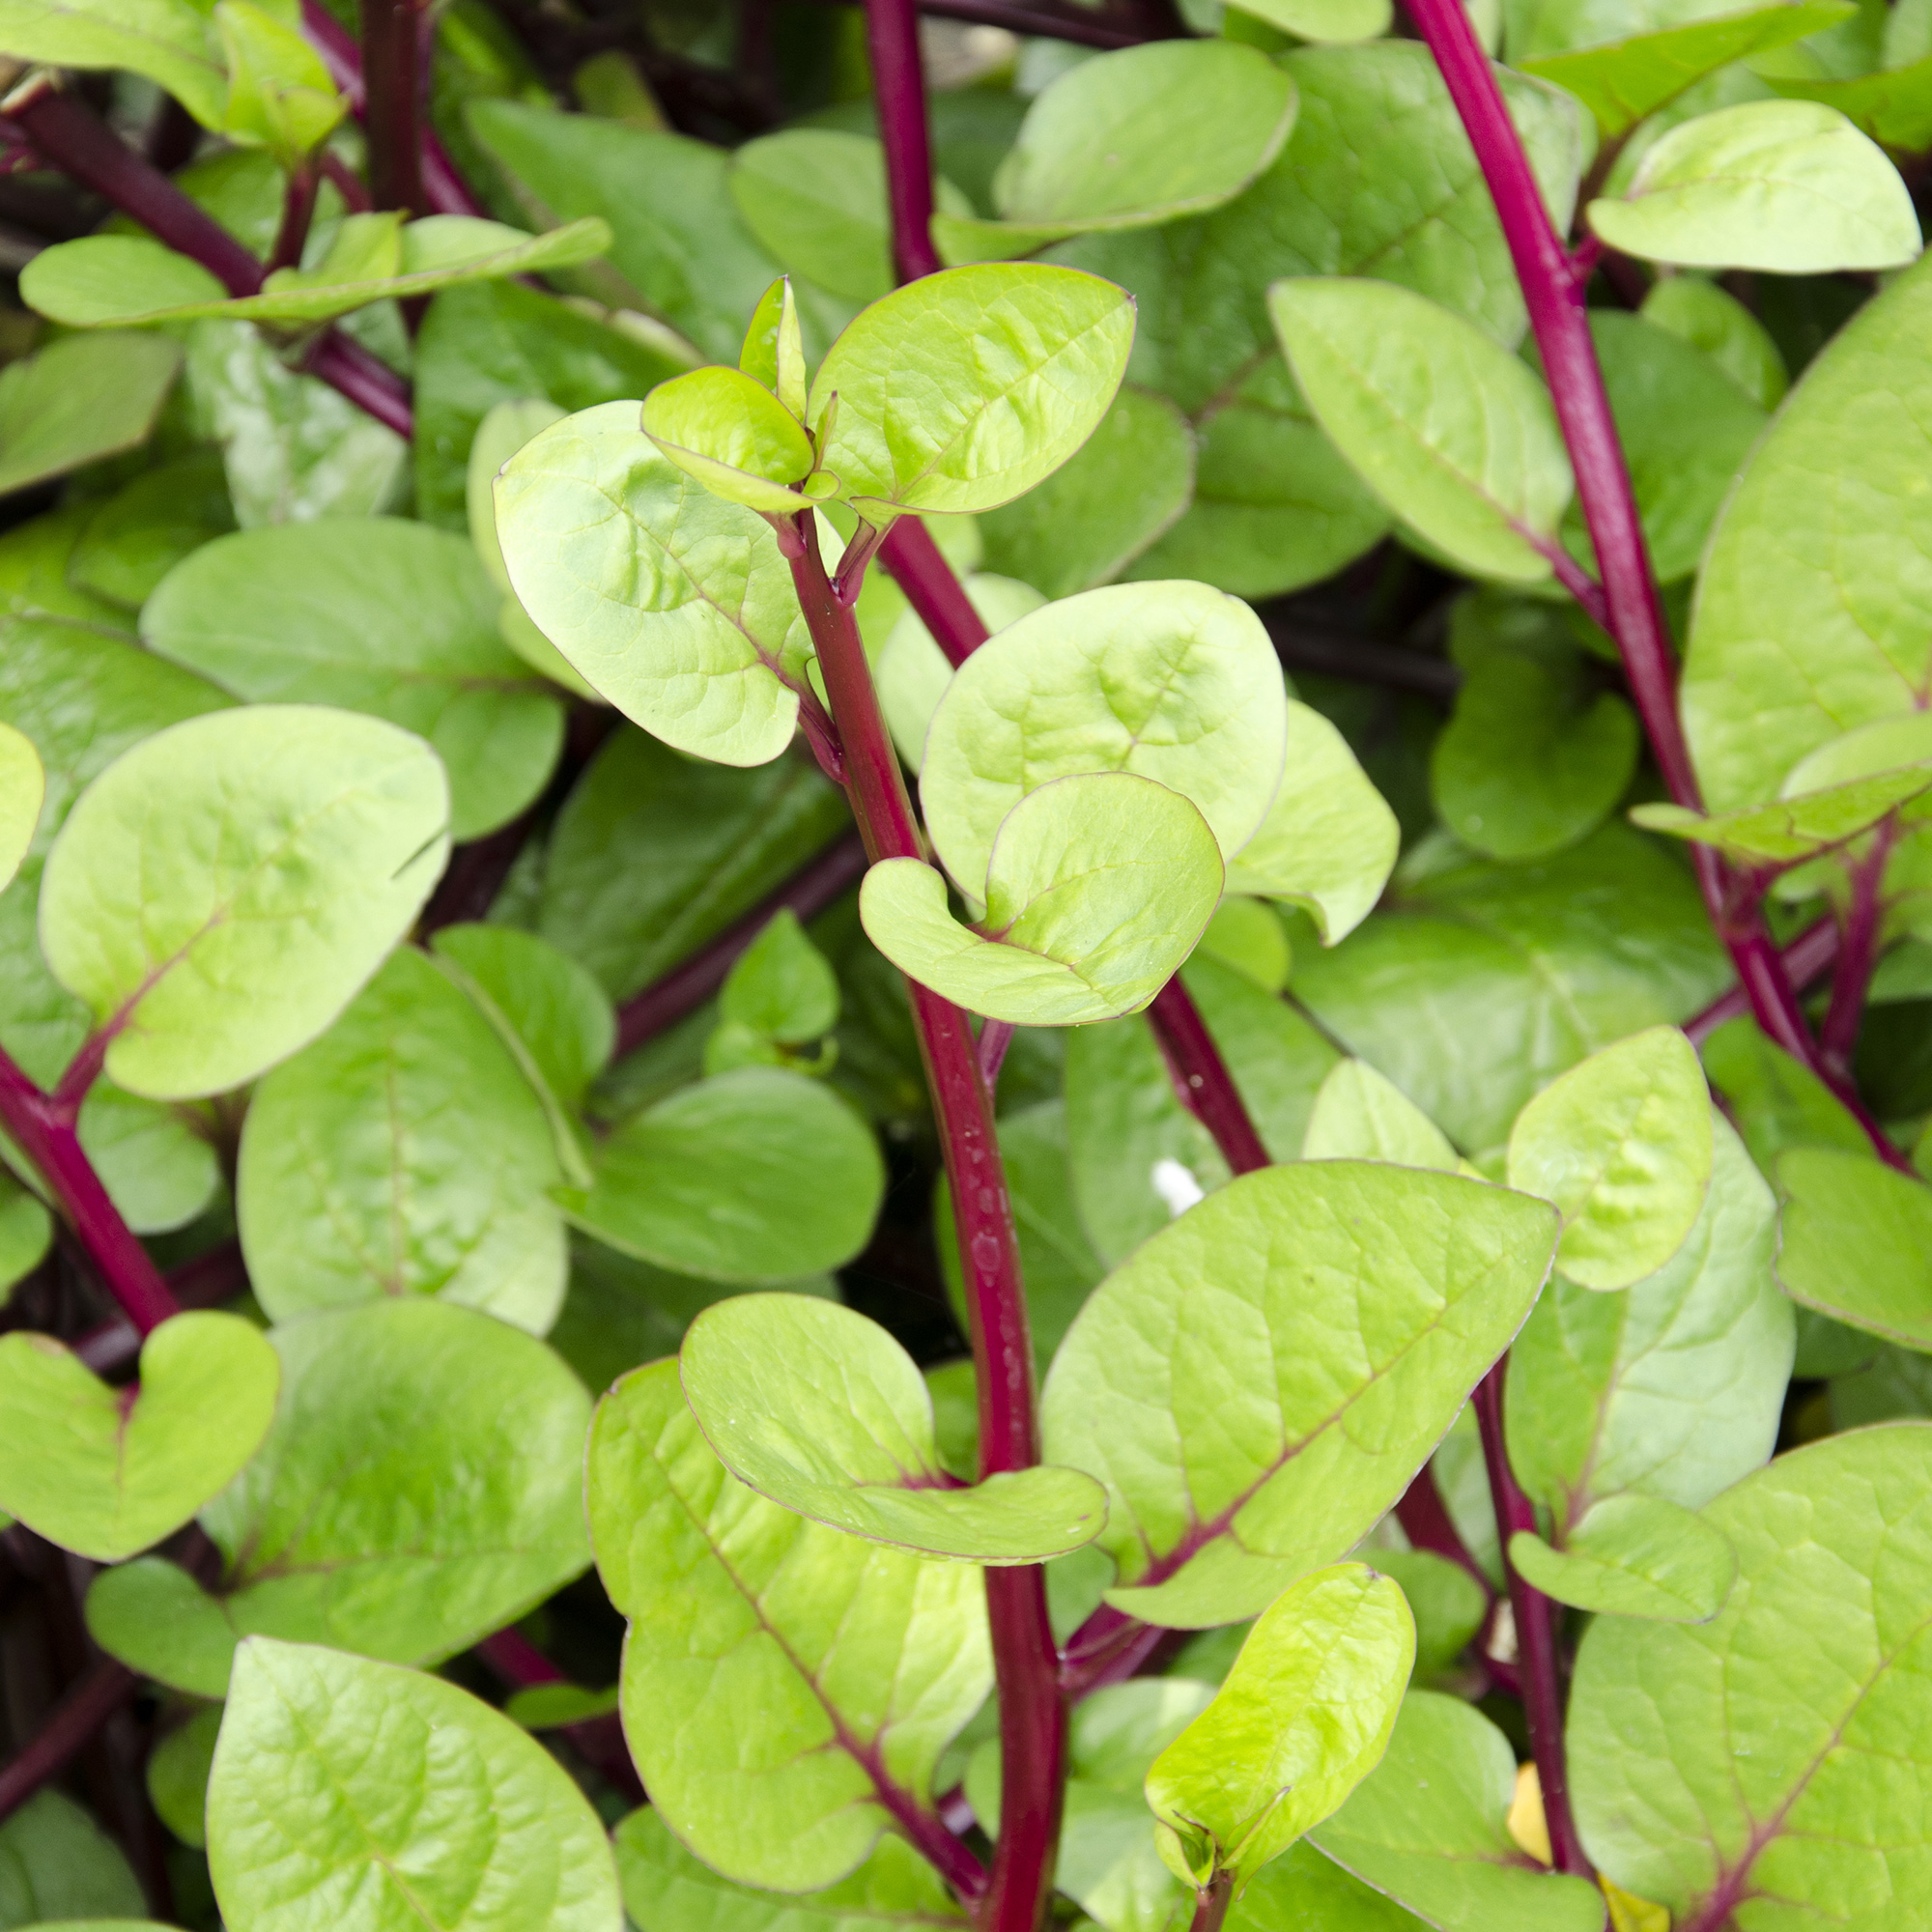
x=349, y=1796
x=1260, y=1381
x=962, y=390
x=56, y=1863
x=1622, y=1147
x=214, y=960
x=1702, y=314
x=1361, y=1115
x=1856, y=1237
x=280, y=93
x=787, y=1689
x=1893, y=105
x=1632, y=1556
x=1098, y=888
x=912, y=673
x=504, y=430
x=23, y=789
x=79, y=401
x=773, y=350
x=1303, y=1718
x=1456, y=436
x=672, y=603
x=1173, y=682
x=1795, y=828
x=106, y=1479
x=1784, y=186
x=377, y=615
x=733, y=434
x=169, y=41
x=1324, y=21
x=819, y=1409
x=178, y=1768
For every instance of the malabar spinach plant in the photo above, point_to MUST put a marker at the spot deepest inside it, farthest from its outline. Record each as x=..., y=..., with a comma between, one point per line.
x=967, y=973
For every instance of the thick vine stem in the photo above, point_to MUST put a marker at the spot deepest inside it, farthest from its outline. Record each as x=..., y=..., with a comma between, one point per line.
x=1858, y=952
x=392, y=110
x=899, y=86
x=1032, y=1712
x=1633, y=614
x=1803, y=960
x=1538, y=1667
x=43, y=1127
x=1203, y=1079
x=1211, y=1903
x=919, y=569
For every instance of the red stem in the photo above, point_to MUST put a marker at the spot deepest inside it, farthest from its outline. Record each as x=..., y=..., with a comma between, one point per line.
x=600, y=1741
x=368, y=382
x=1553, y=295
x=1108, y=1648
x=298, y=211
x=67, y=1731
x=208, y=1280
x=899, y=86
x=1032, y=1713
x=43, y=1126
x=1857, y=954
x=1804, y=960
x=393, y=102
x=995, y=1037
x=1210, y=1904
x=1203, y=1079
x=1537, y=1663
x=1426, y=1521
x=933, y=590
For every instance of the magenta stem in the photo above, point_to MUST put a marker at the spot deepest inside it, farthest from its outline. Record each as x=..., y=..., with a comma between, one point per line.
x=67, y=1731
x=1552, y=292
x=521, y=1665
x=1032, y=1712
x=938, y=598
x=1858, y=952
x=1108, y=1648
x=208, y=1280
x=43, y=1127
x=1807, y=956
x=1538, y=1667
x=1202, y=1078
x=1210, y=1904
x=368, y=382
x=1426, y=1521
x=393, y=102
x=297, y=213
x=899, y=86
x=995, y=1037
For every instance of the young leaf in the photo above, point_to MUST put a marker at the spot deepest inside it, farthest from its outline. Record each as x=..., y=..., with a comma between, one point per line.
x=1674, y=1388
x=782, y=987
x=1329, y=840
x=1700, y=313
x=911, y=670
x=1303, y=1717
x=169, y=42
x=356, y=1797
x=733, y=434
x=377, y=615
x=672, y=603
x=1714, y=1762
x=1173, y=682
x=280, y=93
x=78, y=400
x=139, y=534
x=1099, y=889
x=757, y=1176
x=1622, y=1147
x=56, y=1863
x=1258, y=1303
x=1633, y=1556
x=220, y=893
x=1101, y=509
x=404, y=1152
x=23, y=789
x=1427, y=1828
x=1798, y=827
x=1855, y=1241
x=1784, y=185
x=1360, y=1116
x=1454, y=433
x=787, y=1689
x=964, y=389
x=176, y=1780
x=773, y=350
x=105, y=1472
x=1109, y=145
x=821, y=1410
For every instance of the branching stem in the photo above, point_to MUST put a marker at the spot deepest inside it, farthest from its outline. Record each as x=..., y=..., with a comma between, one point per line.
x=1802, y=961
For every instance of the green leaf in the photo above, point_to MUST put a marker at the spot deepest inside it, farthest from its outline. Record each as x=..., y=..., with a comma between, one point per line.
x=1450, y=1606
x=377, y=615
x=1360, y=1116
x=178, y=1768
x=818, y=1409
x=1700, y=313
x=23, y=789
x=1329, y=840
x=1892, y=105
x=1855, y=1241
x=1741, y=1758
x=912, y=673
x=1454, y=433
x=501, y=433
x=1303, y=1891
x=672, y=603
x=1101, y=509
x=157, y=1163
x=552, y=1006
x=1325, y=20
x=1329, y=1306
x=1784, y=186
x=1014, y=365
x=1248, y=935
x=781, y=986
x=1674, y=1388
x=554, y=1707
x=78, y=401
x=1113, y=143
x=56, y=1865
x=105, y=1475
x=1633, y=1556
x=1622, y=81
x=114, y=280
x=1622, y=1147
x=421, y=1486
x=773, y=350
x=169, y=42
x=1775, y=1101
x=733, y=434
x=757, y=1176
x=1098, y=888
x=26, y=1232
x=211, y=960
x=787, y=1689
x=279, y=92
x=1303, y=1718
x=1489, y=980
x=404, y=1152
x=357, y=1796
x=1797, y=827
x=1175, y=683
x=1427, y=1828
x=653, y=854
x=663, y=1885
x=139, y=534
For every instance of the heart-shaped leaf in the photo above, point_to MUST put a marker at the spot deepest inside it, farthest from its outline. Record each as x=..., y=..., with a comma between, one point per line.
x=821, y=1410
x=1633, y=1556
x=106, y=1472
